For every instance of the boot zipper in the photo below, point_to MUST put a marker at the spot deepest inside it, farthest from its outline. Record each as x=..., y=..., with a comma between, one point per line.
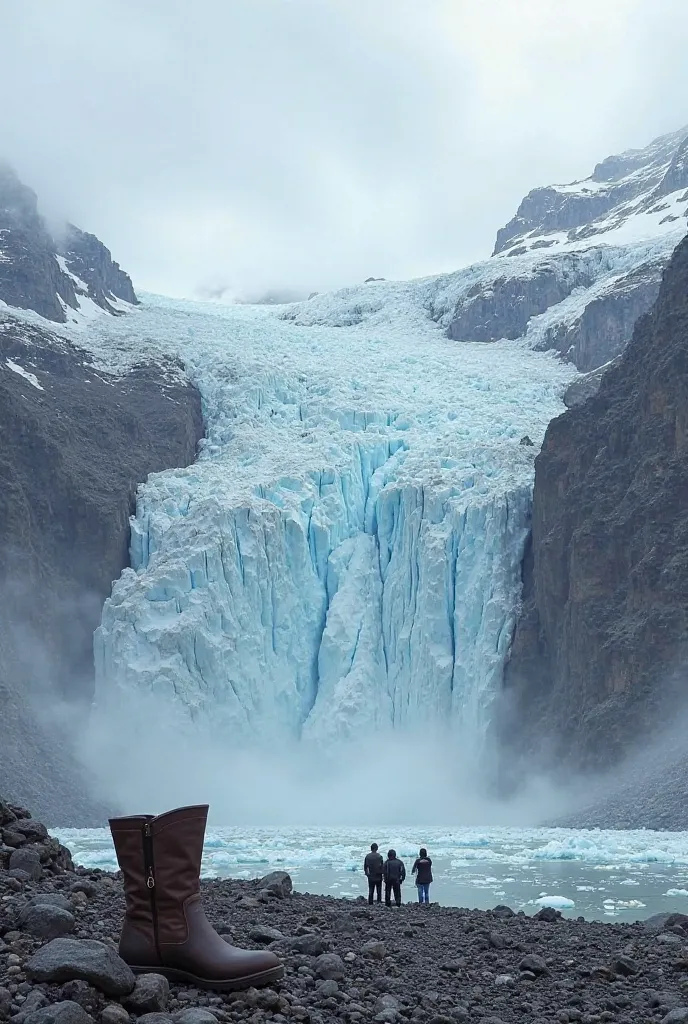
x=149, y=865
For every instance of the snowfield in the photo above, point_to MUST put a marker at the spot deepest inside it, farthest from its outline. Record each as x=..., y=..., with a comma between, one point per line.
x=345, y=554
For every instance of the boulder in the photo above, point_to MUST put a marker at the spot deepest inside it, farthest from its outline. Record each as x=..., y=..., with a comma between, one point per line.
x=151, y=993
x=66, y=959
x=194, y=1015
x=330, y=967
x=66, y=1012
x=277, y=882
x=28, y=861
x=534, y=964
x=45, y=921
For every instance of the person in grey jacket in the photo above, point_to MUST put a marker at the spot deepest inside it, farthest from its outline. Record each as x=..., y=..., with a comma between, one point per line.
x=372, y=866
x=394, y=873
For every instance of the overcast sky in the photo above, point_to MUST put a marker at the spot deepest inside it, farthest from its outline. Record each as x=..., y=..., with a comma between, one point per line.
x=258, y=144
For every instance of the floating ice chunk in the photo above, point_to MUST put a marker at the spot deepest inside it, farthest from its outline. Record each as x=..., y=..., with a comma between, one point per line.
x=556, y=902
x=676, y=892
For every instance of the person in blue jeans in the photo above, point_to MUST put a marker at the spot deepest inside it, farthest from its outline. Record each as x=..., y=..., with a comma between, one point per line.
x=422, y=869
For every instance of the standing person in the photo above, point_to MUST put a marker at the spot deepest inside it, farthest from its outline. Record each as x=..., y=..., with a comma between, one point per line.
x=394, y=874
x=372, y=867
x=422, y=869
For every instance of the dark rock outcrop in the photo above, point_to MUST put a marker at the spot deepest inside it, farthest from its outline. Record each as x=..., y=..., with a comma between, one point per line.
x=505, y=309
x=87, y=259
x=75, y=444
x=597, y=655
x=20, y=834
x=606, y=323
x=31, y=275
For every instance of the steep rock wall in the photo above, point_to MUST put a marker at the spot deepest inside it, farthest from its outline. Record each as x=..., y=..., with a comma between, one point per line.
x=597, y=655
x=75, y=444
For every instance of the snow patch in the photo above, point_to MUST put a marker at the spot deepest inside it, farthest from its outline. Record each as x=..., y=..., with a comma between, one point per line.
x=30, y=377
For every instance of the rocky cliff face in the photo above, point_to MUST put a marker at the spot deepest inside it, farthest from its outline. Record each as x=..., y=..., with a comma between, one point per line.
x=579, y=263
x=76, y=442
x=597, y=656
x=47, y=275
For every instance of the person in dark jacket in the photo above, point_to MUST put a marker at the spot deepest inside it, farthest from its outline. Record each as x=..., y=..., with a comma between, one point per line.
x=372, y=867
x=394, y=873
x=422, y=869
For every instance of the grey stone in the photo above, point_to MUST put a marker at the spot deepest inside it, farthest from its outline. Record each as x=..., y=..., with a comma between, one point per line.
x=625, y=966
x=51, y=899
x=66, y=1012
x=114, y=1014
x=374, y=949
x=277, y=882
x=66, y=959
x=150, y=994
x=503, y=912
x=85, y=886
x=264, y=934
x=194, y=1015
x=45, y=921
x=26, y=860
x=327, y=989
x=534, y=964
x=669, y=939
x=386, y=1002
x=311, y=945
x=154, y=1018
x=31, y=831
x=330, y=966
x=5, y=1002
x=677, y=1016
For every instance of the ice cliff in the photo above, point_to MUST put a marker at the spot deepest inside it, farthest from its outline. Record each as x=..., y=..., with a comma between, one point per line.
x=345, y=554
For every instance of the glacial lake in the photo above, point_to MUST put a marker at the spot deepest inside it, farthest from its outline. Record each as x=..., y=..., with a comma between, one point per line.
x=603, y=875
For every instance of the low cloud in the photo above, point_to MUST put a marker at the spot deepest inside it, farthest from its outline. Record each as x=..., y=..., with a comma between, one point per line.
x=297, y=145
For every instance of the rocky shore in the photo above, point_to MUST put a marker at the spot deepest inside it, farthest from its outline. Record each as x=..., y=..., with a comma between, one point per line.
x=345, y=961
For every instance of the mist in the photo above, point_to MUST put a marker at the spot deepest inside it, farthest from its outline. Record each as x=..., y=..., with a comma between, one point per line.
x=251, y=148
x=146, y=755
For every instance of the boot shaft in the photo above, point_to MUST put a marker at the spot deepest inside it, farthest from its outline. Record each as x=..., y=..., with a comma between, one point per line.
x=160, y=858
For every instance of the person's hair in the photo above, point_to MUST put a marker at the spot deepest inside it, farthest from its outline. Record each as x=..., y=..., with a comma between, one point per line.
x=423, y=852
x=373, y=847
x=391, y=854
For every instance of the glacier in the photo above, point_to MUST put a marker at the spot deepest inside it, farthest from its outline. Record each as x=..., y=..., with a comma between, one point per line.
x=344, y=557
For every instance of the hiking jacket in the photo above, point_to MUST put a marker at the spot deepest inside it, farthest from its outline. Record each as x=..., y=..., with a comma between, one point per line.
x=394, y=871
x=422, y=869
x=372, y=866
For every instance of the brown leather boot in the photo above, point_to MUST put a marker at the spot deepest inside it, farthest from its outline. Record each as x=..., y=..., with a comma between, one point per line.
x=165, y=928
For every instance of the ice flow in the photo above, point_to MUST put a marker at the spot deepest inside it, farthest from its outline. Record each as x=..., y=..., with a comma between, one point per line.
x=344, y=556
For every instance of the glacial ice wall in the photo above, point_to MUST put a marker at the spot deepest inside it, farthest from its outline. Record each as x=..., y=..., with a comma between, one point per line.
x=344, y=557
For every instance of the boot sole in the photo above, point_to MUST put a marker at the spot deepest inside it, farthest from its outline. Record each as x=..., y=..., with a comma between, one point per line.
x=230, y=985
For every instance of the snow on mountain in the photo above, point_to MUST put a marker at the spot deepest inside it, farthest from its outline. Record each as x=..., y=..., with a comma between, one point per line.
x=63, y=280
x=345, y=554
x=637, y=195
x=572, y=271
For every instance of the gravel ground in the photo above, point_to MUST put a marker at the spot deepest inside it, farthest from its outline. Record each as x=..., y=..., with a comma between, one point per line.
x=344, y=961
